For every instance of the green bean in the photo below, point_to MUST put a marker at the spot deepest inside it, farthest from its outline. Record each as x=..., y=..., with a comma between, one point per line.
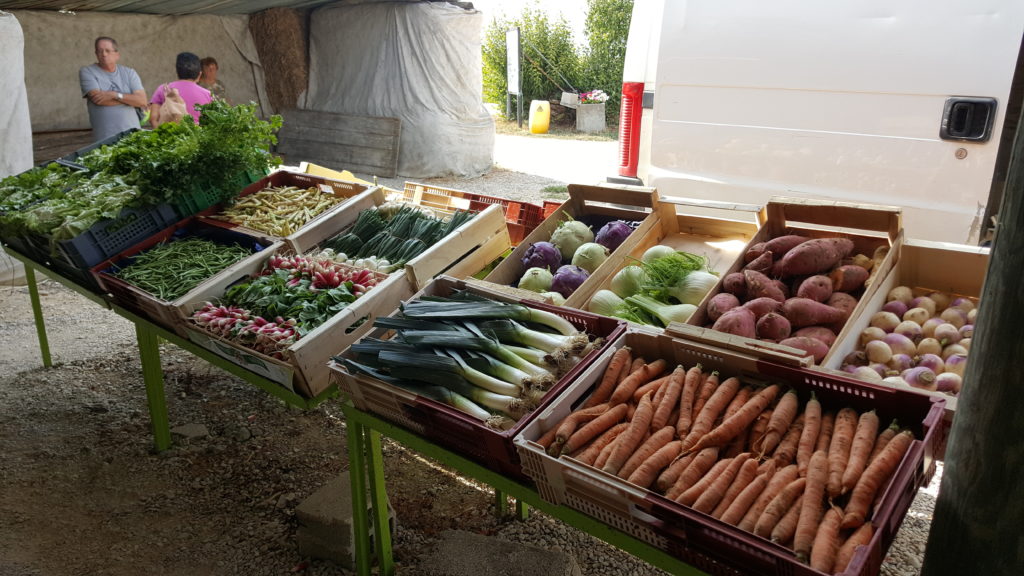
x=170, y=270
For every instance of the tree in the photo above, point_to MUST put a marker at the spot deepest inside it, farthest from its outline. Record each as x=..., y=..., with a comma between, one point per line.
x=607, y=29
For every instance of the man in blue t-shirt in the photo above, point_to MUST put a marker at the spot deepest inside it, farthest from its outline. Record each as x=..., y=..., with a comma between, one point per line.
x=112, y=92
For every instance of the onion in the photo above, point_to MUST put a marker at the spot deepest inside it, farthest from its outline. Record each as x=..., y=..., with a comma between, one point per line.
x=901, y=293
x=901, y=362
x=952, y=350
x=947, y=334
x=948, y=382
x=928, y=328
x=900, y=344
x=909, y=329
x=896, y=307
x=967, y=330
x=866, y=373
x=929, y=346
x=941, y=300
x=878, y=351
x=956, y=363
x=917, y=315
x=954, y=316
x=965, y=304
x=932, y=362
x=871, y=333
x=926, y=303
x=920, y=377
x=885, y=320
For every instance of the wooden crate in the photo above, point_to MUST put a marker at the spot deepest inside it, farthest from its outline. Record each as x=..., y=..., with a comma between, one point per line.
x=601, y=203
x=520, y=217
x=868, y=226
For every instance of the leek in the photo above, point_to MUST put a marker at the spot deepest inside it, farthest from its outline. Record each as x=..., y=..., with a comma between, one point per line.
x=539, y=377
x=510, y=406
x=488, y=309
x=437, y=369
x=436, y=393
x=509, y=332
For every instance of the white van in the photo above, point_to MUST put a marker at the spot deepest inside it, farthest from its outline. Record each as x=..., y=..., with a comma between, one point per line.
x=901, y=102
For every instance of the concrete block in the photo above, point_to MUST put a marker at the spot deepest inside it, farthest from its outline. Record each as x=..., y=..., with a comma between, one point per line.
x=590, y=118
x=325, y=523
x=461, y=553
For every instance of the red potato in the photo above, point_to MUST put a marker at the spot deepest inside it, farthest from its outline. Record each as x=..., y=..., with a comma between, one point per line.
x=848, y=278
x=760, y=286
x=817, y=288
x=720, y=304
x=762, y=263
x=735, y=284
x=822, y=333
x=762, y=306
x=815, y=256
x=781, y=245
x=806, y=312
x=738, y=321
x=773, y=326
x=813, y=346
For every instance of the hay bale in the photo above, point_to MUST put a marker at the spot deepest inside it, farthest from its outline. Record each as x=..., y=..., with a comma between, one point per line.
x=282, y=40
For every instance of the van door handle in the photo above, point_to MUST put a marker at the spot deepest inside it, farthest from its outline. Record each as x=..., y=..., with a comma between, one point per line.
x=967, y=118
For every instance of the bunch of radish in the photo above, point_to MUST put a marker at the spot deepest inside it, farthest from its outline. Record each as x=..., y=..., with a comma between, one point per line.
x=793, y=290
x=916, y=341
x=323, y=273
x=231, y=322
x=759, y=457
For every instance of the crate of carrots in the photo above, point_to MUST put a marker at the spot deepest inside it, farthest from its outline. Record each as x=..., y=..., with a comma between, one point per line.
x=733, y=464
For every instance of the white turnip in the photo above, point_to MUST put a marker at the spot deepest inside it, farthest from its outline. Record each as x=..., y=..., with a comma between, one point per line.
x=953, y=350
x=941, y=300
x=926, y=303
x=955, y=316
x=965, y=304
x=901, y=293
x=931, y=361
x=929, y=346
x=900, y=344
x=920, y=377
x=928, y=328
x=966, y=343
x=972, y=315
x=909, y=329
x=867, y=373
x=948, y=382
x=901, y=362
x=885, y=320
x=871, y=333
x=947, y=334
x=967, y=330
x=896, y=307
x=956, y=363
x=917, y=315
x=878, y=351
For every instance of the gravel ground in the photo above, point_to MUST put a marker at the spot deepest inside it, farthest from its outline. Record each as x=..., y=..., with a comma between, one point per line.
x=84, y=494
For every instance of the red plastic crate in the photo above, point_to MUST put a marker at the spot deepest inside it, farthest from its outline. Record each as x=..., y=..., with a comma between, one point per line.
x=700, y=539
x=451, y=428
x=521, y=217
x=550, y=207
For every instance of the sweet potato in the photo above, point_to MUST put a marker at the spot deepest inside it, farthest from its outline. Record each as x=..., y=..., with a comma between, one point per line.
x=817, y=288
x=738, y=321
x=806, y=312
x=720, y=304
x=753, y=252
x=780, y=245
x=813, y=346
x=782, y=287
x=763, y=305
x=815, y=256
x=844, y=302
x=825, y=335
x=735, y=284
x=762, y=263
x=761, y=286
x=848, y=278
x=773, y=326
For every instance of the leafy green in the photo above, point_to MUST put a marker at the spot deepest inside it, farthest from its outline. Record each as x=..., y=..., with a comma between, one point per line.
x=277, y=295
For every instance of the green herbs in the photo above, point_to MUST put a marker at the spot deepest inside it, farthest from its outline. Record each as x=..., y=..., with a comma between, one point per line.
x=171, y=270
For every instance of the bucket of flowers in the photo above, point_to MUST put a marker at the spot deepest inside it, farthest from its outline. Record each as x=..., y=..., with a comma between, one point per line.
x=593, y=97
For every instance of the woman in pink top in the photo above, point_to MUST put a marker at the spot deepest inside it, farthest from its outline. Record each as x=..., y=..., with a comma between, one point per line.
x=189, y=71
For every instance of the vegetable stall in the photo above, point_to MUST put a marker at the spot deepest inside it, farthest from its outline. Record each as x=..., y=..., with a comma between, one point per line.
x=734, y=393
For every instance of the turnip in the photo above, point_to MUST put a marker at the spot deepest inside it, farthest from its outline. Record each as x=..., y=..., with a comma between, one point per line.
x=871, y=333
x=879, y=369
x=966, y=343
x=965, y=304
x=953, y=350
x=947, y=334
x=887, y=321
x=855, y=358
x=878, y=351
x=948, y=382
x=926, y=303
x=931, y=361
x=896, y=381
x=867, y=373
x=896, y=307
x=956, y=363
x=972, y=315
x=900, y=344
x=920, y=377
x=909, y=329
x=901, y=293
x=928, y=328
x=901, y=362
x=967, y=330
x=929, y=346
x=917, y=315
x=941, y=300
x=955, y=316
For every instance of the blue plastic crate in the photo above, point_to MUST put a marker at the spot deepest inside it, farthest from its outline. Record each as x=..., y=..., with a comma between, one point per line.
x=108, y=238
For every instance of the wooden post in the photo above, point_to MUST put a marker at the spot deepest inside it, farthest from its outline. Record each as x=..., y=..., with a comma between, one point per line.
x=979, y=515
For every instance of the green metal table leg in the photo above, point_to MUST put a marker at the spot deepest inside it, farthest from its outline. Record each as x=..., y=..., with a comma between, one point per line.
x=153, y=376
x=522, y=509
x=37, y=311
x=379, y=501
x=357, y=479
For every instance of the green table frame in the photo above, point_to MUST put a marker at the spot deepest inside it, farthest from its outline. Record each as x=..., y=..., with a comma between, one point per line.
x=148, y=335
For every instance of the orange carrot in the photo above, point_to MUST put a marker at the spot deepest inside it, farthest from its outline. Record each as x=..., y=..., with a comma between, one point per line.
x=589, y=454
x=690, y=385
x=738, y=422
x=699, y=466
x=708, y=384
x=839, y=450
x=884, y=438
x=809, y=435
x=756, y=432
x=783, y=532
x=669, y=475
x=860, y=537
x=569, y=424
x=737, y=402
x=826, y=542
x=745, y=475
x=636, y=365
x=715, y=491
x=874, y=477
x=669, y=400
x=811, y=510
x=605, y=452
x=705, y=420
x=592, y=429
x=633, y=436
x=776, y=484
x=655, y=385
x=745, y=499
x=778, y=507
x=647, y=471
x=860, y=450
x=828, y=421
x=785, y=452
x=610, y=378
x=641, y=376
x=646, y=450
x=694, y=492
x=782, y=417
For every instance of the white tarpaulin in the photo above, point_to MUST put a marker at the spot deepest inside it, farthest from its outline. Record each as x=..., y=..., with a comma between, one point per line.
x=15, y=129
x=57, y=44
x=419, y=62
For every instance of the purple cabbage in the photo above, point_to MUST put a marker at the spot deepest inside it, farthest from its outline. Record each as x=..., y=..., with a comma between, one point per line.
x=612, y=234
x=542, y=255
x=567, y=279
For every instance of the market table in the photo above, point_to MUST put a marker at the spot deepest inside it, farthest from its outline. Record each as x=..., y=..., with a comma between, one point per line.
x=366, y=471
x=148, y=335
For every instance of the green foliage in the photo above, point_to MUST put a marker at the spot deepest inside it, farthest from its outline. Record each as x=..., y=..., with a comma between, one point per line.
x=607, y=28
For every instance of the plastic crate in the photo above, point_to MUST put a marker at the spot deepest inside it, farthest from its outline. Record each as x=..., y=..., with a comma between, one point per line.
x=550, y=207
x=521, y=217
x=446, y=426
x=109, y=237
x=71, y=159
x=202, y=197
x=37, y=249
x=700, y=539
x=150, y=306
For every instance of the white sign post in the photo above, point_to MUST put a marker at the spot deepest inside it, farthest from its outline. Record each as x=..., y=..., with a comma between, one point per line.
x=513, y=55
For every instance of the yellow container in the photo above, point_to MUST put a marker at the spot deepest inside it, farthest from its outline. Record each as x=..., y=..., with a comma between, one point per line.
x=540, y=116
